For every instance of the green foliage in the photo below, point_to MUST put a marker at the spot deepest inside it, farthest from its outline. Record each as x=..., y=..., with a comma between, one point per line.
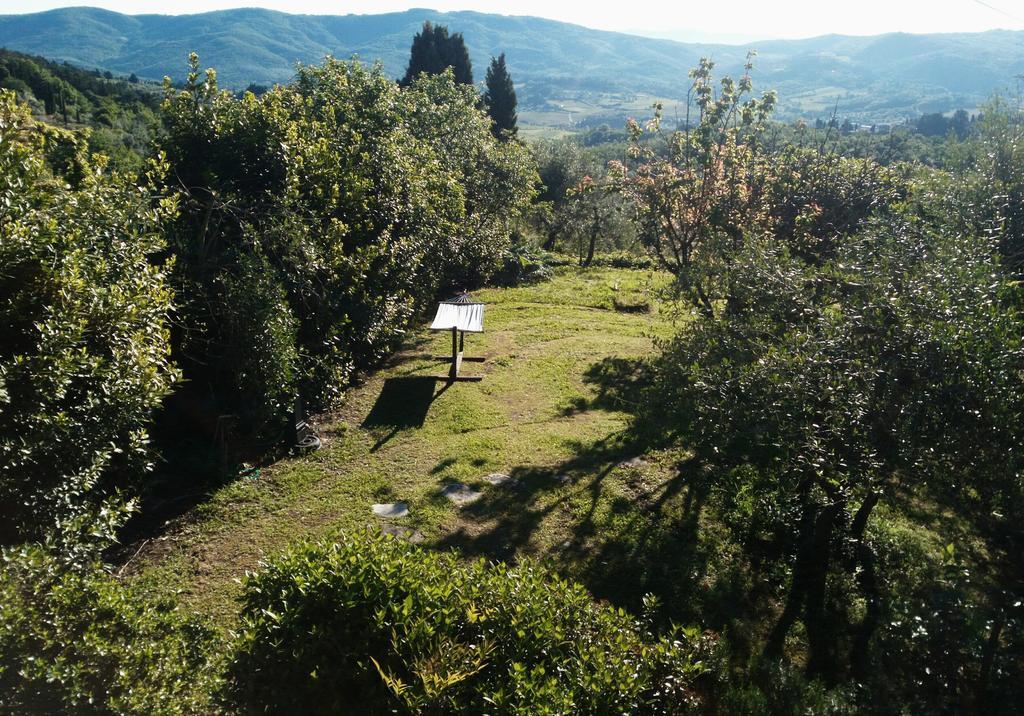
x=816, y=199
x=575, y=213
x=523, y=264
x=121, y=115
x=841, y=385
x=320, y=218
x=83, y=309
x=73, y=639
x=500, y=98
x=434, y=50
x=496, y=181
x=993, y=195
x=372, y=621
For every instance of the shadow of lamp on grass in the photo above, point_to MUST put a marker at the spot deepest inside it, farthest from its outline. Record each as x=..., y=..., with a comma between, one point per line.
x=403, y=403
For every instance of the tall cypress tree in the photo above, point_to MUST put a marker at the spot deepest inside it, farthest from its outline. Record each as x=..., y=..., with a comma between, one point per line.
x=433, y=50
x=500, y=98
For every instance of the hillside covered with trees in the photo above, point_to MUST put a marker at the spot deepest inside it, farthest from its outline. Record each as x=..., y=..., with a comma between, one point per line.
x=746, y=434
x=568, y=75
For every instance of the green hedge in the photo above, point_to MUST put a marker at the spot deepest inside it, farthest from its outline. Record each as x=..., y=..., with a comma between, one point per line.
x=84, y=339
x=75, y=640
x=375, y=623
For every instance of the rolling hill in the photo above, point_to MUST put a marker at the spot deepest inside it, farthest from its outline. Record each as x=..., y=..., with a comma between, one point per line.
x=565, y=74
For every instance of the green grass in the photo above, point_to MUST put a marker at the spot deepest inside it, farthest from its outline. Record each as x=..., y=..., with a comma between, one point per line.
x=401, y=435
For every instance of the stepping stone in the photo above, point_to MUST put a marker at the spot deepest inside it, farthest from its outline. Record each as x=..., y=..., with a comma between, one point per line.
x=460, y=494
x=633, y=462
x=498, y=478
x=391, y=509
x=561, y=478
x=402, y=532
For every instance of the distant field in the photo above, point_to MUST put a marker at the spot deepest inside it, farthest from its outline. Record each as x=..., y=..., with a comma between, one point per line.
x=559, y=116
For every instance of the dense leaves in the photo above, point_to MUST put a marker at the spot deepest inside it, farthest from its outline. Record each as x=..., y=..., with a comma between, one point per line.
x=74, y=640
x=373, y=622
x=434, y=50
x=84, y=360
x=500, y=98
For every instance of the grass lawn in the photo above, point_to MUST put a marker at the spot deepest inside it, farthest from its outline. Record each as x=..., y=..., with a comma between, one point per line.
x=580, y=497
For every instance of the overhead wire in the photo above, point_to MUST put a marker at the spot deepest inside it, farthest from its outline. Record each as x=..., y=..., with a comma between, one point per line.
x=999, y=10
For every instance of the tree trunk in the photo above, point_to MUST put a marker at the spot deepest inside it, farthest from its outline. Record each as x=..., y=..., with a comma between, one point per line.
x=821, y=659
x=549, y=242
x=797, y=589
x=987, y=658
x=867, y=579
x=594, y=231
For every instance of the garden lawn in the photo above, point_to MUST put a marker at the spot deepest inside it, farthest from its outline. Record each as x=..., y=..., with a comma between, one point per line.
x=545, y=413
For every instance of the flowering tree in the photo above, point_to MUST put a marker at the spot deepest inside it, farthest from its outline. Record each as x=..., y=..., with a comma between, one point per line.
x=696, y=189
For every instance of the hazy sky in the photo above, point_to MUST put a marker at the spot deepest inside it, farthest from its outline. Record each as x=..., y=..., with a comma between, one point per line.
x=738, y=19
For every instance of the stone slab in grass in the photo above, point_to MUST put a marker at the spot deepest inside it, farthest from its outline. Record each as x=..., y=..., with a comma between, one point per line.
x=500, y=478
x=561, y=478
x=391, y=509
x=460, y=494
x=402, y=532
x=634, y=462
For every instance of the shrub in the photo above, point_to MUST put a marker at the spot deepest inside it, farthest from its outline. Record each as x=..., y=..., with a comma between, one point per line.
x=374, y=622
x=625, y=260
x=522, y=264
x=75, y=640
x=84, y=358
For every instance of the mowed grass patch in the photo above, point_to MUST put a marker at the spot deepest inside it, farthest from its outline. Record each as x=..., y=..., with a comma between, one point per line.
x=405, y=433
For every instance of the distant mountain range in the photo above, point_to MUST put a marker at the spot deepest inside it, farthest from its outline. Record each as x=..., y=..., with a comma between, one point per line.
x=565, y=74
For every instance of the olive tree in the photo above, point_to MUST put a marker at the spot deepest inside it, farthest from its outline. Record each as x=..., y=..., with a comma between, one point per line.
x=831, y=388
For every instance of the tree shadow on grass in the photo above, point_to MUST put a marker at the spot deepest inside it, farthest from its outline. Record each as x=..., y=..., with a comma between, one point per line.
x=619, y=384
x=403, y=403
x=620, y=547
x=623, y=536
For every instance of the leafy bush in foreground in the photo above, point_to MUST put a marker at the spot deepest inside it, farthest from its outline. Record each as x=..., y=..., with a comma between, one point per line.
x=375, y=623
x=74, y=640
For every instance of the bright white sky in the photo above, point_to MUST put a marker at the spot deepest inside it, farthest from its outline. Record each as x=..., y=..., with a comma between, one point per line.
x=735, y=20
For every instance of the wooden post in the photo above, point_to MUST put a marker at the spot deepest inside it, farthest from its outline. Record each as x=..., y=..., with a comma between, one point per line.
x=457, y=347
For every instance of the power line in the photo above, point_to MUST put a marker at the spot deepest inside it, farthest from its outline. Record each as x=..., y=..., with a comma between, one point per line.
x=999, y=10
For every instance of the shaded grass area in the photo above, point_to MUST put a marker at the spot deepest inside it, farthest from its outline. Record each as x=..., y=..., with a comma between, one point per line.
x=546, y=413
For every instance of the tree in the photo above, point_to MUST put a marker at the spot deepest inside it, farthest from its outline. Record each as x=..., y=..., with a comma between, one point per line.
x=695, y=199
x=933, y=124
x=84, y=360
x=500, y=98
x=831, y=389
x=960, y=123
x=133, y=78
x=433, y=50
